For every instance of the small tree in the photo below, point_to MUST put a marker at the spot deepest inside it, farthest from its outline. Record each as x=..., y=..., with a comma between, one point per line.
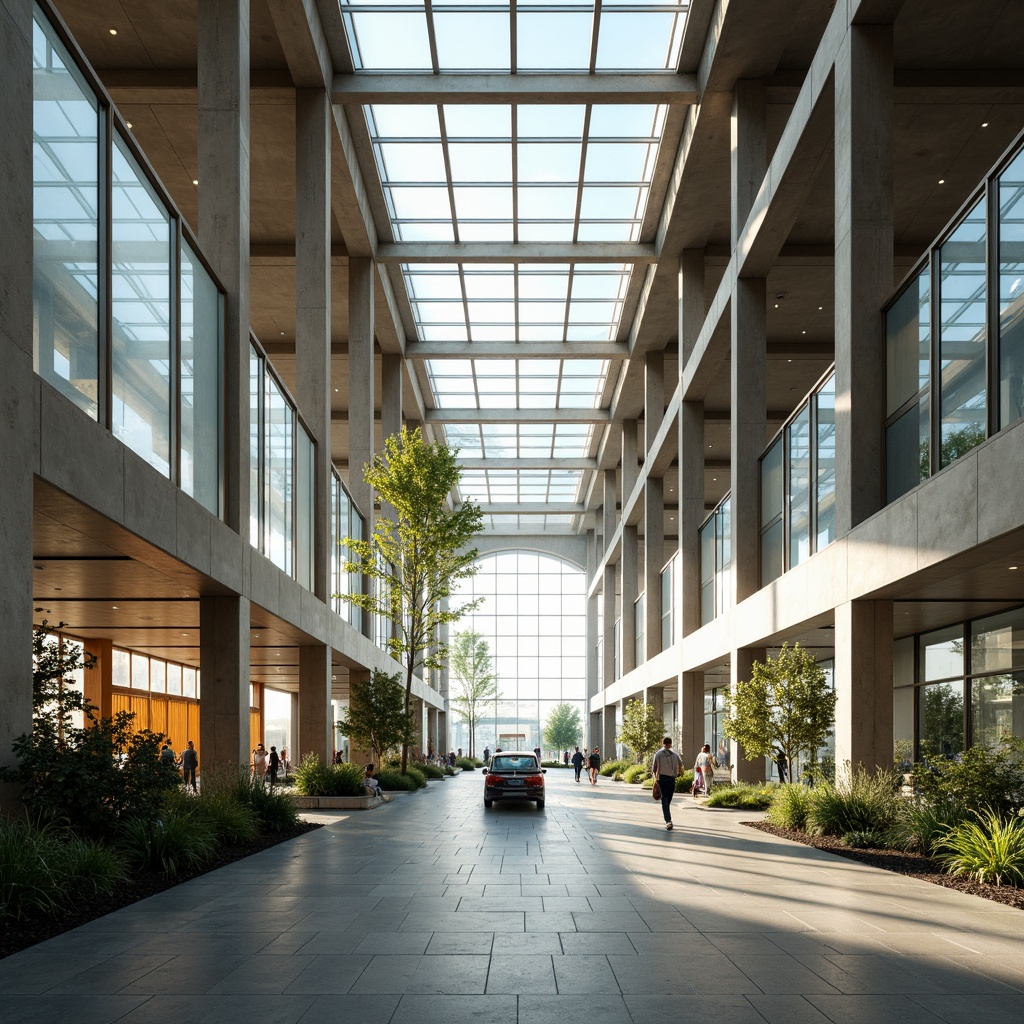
x=643, y=729
x=470, y=664
x=377, y=716
x=564, y=728
x=787, y=705
x=416, y=558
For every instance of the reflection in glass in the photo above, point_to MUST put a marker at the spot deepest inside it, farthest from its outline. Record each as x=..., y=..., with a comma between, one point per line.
x=140, y=293
x=305, y=476
x=825, y=502
x=962, y=337
x=279, y=477
x=997, y=643
x=201, y=350
x=942, y=654
x=65, y=159
x=941, y=719
x=997, y=709
x=772, y=528
x=908, y=343
x=707, y=571
x=255, y=449
x=906, y=450
x=1011, y=293
x=798, y=440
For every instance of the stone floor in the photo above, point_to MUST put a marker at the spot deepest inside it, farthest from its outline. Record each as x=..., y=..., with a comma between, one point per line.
x=431, y=910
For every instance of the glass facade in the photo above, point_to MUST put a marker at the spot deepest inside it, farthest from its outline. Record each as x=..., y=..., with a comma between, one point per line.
x=1011, y=292
x=346, y=522
x=131, y=670
x=640, y=626
x=533, y=618
x=798, y=485
x=716, y=562
x=127, y=321
x=671, y=615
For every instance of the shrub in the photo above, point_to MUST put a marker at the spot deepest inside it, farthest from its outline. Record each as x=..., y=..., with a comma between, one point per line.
x=636, y=774
x=312, y=776
x=978, y=778
x=274, y=810
x=346, y=779
x=413, y=771
x=744, y=796
x=988, y=850
x=171, y=845
x=448, y=770
x=431, y=771
x=860, y=801
x=230, y=821
x=43, y=871
x=869, y=840
x=468, y=763
x=920, y=826
x=683, y=782
x=554, y=764
x=609, y=768
x=790, y=807
x=392, y=779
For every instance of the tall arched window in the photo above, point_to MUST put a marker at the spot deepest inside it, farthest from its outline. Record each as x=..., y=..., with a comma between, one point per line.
x=533, y=617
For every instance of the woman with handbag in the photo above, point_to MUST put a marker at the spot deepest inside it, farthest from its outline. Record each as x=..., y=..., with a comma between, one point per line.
x=665, y=768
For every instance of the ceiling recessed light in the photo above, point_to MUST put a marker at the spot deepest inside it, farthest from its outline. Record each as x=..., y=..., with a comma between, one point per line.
x=710, y=446
x=789, y=360
x=184, y=634
x=942, y=181
x=714, y=479
x=195, y=181
x=803, y=332
x=1013, y=568
x=114, y=606
x=112, y=31
x=776, y=305
x=335, y=390
x=821, y=307
x=984, y=124
x=129, y=125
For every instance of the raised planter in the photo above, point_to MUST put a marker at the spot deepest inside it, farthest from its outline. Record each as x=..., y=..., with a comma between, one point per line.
x=341, y=803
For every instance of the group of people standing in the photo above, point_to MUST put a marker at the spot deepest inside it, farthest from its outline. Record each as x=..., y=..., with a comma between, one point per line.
x=268, y=763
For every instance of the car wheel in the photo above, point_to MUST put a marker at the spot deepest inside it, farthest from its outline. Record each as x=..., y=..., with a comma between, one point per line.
x=487, y=803
x=540, y=805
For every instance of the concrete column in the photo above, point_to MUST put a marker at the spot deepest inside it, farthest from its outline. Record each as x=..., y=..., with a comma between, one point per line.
x=432, y=730
x=224, y=665
x=655, y=696
x=418, y=744
x=390, y=394
x=594, y=732
x=224, y=148
x=293, y=729
x=749, y=151
x=692, y=307
x=630, y=460
x=316, y=724
x=864, y=684
x=691, y=716
x=654, y=560
x=747, y=370
x=654, y=397
x=611, y=729
x=863, y=265
x=99, y=680
x=608, y=585
x=313, y=305
x=442, y=732
x=741, y=666
x=360, y=394
x=629, y=570
x=691, y=512
x=17, y=428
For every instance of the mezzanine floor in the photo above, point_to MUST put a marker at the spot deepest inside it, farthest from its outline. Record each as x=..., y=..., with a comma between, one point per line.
x=432, y=911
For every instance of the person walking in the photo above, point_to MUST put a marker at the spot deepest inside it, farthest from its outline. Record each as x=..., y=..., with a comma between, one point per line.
x=189, y=763
x=259, y=762
x=273, y=765
x=577, y=763
x=565, y=758
x=593, y=763
x=666, y=767
x=706, y=764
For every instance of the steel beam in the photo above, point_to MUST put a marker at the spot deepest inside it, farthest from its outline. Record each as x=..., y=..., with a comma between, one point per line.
x=518, y=416
x=516, y=252
x=514, y=350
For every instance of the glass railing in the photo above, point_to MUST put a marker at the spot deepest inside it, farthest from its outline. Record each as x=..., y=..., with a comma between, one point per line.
x=798, y=484
x=281, y=473
x=127, y=316
x=955, y=373
x=716, y=561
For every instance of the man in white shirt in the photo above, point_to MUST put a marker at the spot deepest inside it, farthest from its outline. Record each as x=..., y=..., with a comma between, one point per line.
x=666, y=767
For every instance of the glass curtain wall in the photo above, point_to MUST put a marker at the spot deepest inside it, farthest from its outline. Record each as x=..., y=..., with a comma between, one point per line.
x=640, y=629
x=533, y=617
x=345, y=522
x=976, y=306
x=716, y=562
x=798, y=485
x=124, y=310
x=671, y=617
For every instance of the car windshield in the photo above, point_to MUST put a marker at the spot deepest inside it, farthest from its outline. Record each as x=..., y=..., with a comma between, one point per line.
x=511, y=762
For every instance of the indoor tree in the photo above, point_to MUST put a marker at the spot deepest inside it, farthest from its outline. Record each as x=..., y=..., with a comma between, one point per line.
x=469, y=662
x=377, y=716
x=564, y=728
x=787, y=706
x=417, y=554
x=643, y=729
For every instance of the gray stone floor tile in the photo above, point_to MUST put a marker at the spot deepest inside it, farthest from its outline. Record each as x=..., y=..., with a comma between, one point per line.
x=628, y=920
x=415, y=1008
x=44, y=1009
x=962, y=1009
x=267, y=1009
x=259, y=974
x=555, y=921
x=175, y=1009
x=478, y=943
x=788, y=1009
x=604, y=1008
x=390, y=973
x=577, y=943
x=453, y=974
x=25, y=974
x=113, y=974
x=391, y=943
x=526, y=944
x=645, y=1009
x=330, y=1009
x=856, y=1009
x=578, y=975
x=514, y=974
x=329, y=973
x=185, y=975
x=652, y=974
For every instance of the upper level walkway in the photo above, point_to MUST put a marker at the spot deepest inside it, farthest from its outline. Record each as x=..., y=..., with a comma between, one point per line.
x=432, y=911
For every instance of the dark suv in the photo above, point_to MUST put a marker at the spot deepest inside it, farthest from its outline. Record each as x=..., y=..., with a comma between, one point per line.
x=514, y=776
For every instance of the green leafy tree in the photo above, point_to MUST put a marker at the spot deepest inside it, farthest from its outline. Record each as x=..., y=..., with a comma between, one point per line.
x=564, y=727
x=470, y=665
x=643, y=729
x=786, y=705
x=415, y=557
x=377, y=714
x=91, y=778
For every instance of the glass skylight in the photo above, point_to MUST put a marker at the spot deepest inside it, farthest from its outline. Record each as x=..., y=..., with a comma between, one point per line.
x=517, y=383
x=520, y=440
x=522, y=485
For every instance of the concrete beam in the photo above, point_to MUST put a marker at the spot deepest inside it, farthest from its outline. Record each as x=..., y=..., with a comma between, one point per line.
x=516, y=252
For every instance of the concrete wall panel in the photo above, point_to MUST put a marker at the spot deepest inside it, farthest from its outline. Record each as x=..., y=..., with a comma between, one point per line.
x=948, y=512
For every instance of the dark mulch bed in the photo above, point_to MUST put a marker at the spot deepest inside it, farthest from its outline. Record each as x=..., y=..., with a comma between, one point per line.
x=913, y=864
x=16, y=935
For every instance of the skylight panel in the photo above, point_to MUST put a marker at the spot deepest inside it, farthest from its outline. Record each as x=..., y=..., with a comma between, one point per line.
x=478, y=121
x=403, y=121
x=389, y=40
x=480, y=161
x=550, y=120
x=471, y=40
x=553, y=40
x=639, y=40
x=480, y=203
x=555, y=162
x=411, y=162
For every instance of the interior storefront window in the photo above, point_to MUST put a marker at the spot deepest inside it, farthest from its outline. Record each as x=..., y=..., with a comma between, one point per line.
x=941, y=719
x=997, y=709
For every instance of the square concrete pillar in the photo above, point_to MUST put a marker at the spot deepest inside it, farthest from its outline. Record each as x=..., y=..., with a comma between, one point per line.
x=864, y=684
x=655, y=696
x=595, y=731
x=654, y=397
x=442, y=731
x=654, y=561
x=224, y=667
x=611, y=729
x=691, y=716
x=316, y=722
x=741, y=668
x=608, y=640
x=223, y=160
x=749, y=151
x=863, y=265
x=748, y=369
x=692, y=306
x=593, y=639
x=630, y=459
x=629, y=571
x=313, y=124
x=691, y=513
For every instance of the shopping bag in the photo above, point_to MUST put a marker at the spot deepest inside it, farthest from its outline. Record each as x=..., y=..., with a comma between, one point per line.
x=656, y=792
